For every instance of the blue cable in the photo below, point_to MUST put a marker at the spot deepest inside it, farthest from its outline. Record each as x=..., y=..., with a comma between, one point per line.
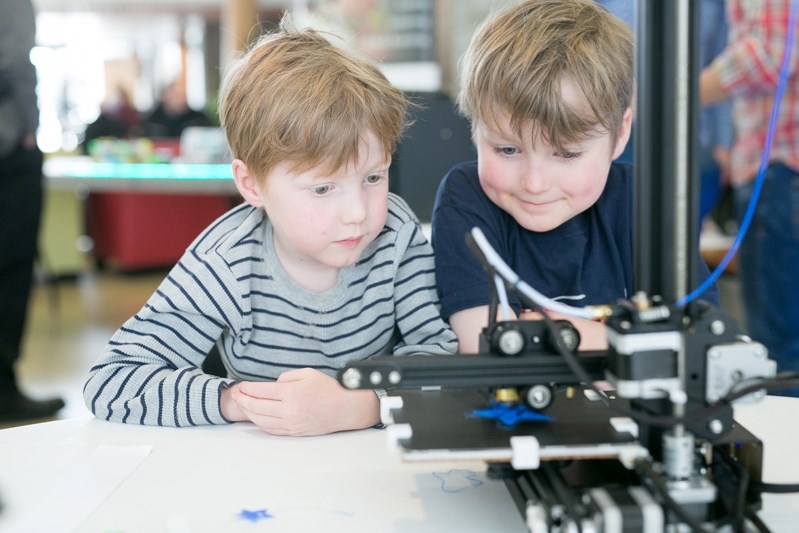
x=761, y=173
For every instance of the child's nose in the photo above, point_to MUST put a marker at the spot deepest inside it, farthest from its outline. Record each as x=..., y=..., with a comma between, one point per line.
x=354, y=208
x=534, y=179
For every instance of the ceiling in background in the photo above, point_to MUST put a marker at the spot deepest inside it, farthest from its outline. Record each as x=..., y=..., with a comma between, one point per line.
x=148, y=5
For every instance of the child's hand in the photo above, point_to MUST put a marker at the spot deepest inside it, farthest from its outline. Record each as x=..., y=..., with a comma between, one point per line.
x=306, y=402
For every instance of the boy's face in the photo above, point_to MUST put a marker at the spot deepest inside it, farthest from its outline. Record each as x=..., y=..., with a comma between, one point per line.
x=537, y=185
x=325, y=221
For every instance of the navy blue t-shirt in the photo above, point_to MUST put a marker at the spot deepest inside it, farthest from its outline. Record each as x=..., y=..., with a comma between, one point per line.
x=587, y=260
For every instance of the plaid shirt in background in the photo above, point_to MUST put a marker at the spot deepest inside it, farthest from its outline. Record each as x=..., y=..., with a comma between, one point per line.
x=749, y=70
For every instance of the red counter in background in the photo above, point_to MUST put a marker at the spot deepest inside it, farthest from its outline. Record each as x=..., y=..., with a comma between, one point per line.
x=143, y=216
x=141, y=230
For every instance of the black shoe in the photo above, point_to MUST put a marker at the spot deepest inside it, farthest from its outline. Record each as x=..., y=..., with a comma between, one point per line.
x=14, y=407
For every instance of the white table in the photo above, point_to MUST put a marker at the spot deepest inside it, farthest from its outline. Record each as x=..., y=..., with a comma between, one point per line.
x=775, y=421
x=201, y=479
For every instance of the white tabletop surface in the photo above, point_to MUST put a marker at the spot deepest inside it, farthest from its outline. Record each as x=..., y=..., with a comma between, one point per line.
x=201, y=479
x=775, y=421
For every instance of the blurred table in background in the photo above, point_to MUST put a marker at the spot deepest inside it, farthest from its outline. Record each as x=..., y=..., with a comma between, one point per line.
x=714, y=245
x=138, y=215
x=82, y=172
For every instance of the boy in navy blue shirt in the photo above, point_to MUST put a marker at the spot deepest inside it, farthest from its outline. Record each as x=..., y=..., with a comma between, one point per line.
x=547, y=85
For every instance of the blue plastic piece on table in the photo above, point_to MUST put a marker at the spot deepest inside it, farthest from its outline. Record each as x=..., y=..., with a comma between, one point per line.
x=510, y=415
x=254, y=516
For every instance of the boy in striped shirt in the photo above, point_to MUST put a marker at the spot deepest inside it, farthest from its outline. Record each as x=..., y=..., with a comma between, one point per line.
x=320, y=267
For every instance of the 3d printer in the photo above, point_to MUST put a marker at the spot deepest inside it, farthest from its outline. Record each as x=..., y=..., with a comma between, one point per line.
x=659, y=449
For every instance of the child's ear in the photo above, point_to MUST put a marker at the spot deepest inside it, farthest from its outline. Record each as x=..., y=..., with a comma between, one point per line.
x=624, y=133
x=246, y=184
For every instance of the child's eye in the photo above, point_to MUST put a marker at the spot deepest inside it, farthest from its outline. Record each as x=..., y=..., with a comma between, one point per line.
x=321, y=190
x=507, y=150
x=568, y=155
x=373, y=179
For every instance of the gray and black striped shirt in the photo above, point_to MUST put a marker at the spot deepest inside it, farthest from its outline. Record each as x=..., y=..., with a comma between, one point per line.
x=229, y=289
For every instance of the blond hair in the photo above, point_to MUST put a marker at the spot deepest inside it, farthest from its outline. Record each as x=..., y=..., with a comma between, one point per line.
x=519, y=57
x=296, y=97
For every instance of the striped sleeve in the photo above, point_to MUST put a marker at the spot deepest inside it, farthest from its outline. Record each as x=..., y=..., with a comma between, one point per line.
x=150, y=370
x=415, y=298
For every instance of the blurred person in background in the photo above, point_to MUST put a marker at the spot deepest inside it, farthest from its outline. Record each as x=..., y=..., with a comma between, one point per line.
x=172, y=114
x=747, y=72
x=20, y=201
x=118, y=118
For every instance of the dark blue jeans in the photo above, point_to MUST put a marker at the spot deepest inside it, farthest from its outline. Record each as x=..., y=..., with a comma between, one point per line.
x=769, y=267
